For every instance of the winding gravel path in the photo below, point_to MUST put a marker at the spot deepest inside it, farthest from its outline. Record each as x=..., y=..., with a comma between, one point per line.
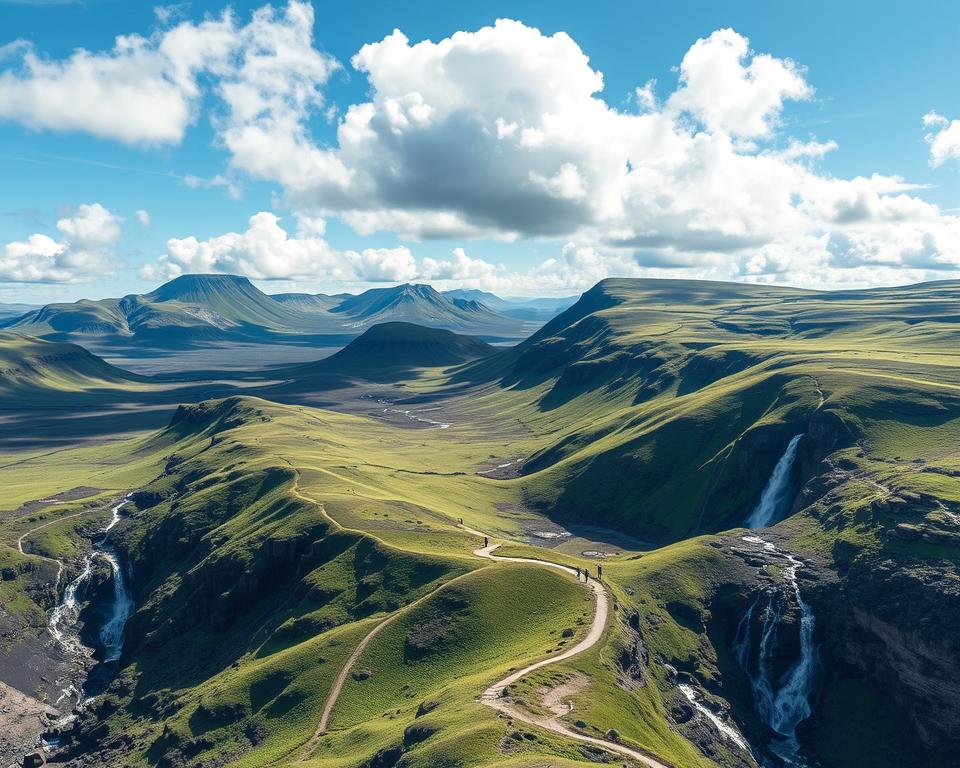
x=491, y=697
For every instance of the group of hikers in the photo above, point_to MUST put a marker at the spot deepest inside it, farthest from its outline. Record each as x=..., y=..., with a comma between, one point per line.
x=586, y=573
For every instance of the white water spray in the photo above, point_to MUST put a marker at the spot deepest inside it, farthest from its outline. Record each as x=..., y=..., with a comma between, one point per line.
x=111, y=633
x=775, y=495
x=65, y=615
x=726, y=730
x=784, y=702
x=67, y=611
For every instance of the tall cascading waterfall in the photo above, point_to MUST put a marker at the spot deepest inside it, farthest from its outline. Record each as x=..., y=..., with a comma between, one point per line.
x=775, y=496
x=782, y=699
x=64, y=616
x=111, y=633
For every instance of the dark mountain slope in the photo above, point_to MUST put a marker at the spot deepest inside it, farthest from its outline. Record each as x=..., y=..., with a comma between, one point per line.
x=387, y=352
x=391, y=345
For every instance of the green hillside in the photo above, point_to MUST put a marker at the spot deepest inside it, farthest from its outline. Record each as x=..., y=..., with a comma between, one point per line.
x=389, y=348
x=33, y=367
x=636, y=430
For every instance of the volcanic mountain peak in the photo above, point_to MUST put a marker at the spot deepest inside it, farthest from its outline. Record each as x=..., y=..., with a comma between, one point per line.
x=199, y=289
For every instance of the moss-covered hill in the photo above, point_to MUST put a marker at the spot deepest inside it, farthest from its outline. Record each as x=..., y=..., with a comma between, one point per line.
x=269, y=539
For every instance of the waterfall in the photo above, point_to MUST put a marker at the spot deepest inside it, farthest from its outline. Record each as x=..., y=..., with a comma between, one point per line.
x=783, y=701
x=111, y=633
x=726, y=730
x=65, y=614
x=775, y=495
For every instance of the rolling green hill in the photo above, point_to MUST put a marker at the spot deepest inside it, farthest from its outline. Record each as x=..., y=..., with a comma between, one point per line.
x=637, y=429
x=33, y=368
x=692, y=390
x=388, y=348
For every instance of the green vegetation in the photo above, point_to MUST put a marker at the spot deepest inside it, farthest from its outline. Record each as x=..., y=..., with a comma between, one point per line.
x=32, y=368
x=391, y=348
x=267, y=540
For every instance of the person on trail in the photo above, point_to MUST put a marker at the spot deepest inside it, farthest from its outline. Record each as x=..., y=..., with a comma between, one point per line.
x=486, y=541
x=599, y=572
x=578, y=573
x=586, y=574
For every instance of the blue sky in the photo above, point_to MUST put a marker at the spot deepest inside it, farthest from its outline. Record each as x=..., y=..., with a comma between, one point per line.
x=862, y=75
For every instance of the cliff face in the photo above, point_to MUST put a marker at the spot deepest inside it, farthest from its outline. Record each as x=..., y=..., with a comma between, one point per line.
x=896, y=628
x=826, y=432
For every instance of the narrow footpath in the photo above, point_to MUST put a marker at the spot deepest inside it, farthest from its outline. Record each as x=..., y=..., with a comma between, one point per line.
x=60, y=565
x=492, y=696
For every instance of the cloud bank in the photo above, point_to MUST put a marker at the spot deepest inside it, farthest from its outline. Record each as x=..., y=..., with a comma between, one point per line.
x=501, y=133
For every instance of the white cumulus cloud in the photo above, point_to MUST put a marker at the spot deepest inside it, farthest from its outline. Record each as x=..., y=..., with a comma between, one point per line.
x=265, y=251
x=148, y=89
x=502, y=132
x=943, y=137
x=83, y=249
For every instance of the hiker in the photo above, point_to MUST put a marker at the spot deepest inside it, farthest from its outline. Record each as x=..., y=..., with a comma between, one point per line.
x=486, y=541
x=599, y=572
x=586, y=574
x=578, y=573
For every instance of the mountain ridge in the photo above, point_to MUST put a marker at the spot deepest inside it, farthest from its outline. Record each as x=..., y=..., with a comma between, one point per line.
x=224, y=307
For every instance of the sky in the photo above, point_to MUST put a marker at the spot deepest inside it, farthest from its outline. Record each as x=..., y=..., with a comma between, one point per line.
x=527, y=148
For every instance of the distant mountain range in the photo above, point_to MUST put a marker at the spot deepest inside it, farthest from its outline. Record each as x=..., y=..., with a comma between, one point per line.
x=542, y=309
x=14, y=310
x=227, y=307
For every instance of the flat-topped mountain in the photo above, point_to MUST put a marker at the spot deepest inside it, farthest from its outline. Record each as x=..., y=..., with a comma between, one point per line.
x=212, y=306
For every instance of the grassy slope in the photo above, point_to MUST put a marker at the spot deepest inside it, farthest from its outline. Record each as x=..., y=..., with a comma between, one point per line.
x=103, y=472
x=257, y=595
x=688, y=394
x=36, y=369
x=680, y=396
